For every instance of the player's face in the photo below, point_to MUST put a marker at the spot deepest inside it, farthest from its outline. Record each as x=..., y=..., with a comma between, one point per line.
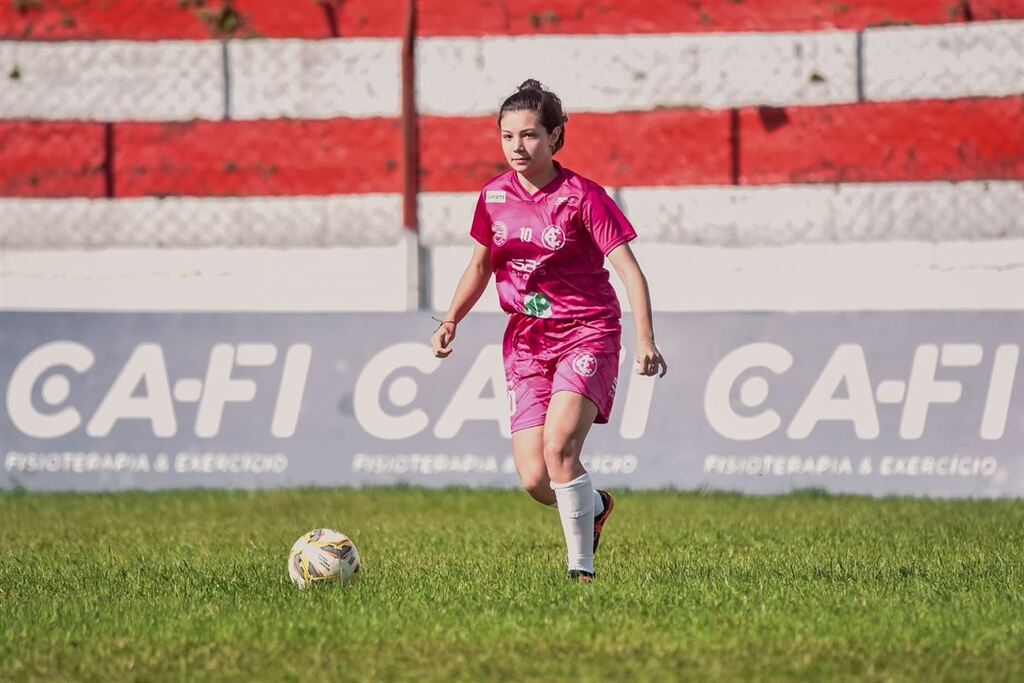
x=526, y=142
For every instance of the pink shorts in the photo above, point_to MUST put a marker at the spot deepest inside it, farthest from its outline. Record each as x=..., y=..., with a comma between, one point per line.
x=543, y=356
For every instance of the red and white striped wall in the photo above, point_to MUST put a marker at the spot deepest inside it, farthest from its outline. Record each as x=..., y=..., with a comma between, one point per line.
x=734, y=135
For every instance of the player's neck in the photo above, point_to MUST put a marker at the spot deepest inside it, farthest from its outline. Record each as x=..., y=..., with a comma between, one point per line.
x=534, y=184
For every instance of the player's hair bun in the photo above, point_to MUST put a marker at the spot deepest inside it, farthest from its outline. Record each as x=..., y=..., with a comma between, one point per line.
x=531, y=96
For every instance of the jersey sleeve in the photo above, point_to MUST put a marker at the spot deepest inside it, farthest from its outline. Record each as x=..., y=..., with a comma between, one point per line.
x=607, y=224
x=481, y=228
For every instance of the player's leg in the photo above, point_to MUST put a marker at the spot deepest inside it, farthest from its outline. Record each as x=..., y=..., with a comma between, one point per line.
x=528, y=450
x=529, y=390
x=569, y=418
x=590, y=371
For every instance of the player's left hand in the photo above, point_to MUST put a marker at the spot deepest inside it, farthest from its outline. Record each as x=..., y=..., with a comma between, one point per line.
x=649, y=360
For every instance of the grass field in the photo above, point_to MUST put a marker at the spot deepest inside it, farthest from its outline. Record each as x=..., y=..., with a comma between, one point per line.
x=468, y=585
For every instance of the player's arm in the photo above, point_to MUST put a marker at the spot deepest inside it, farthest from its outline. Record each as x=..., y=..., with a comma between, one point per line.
x=471, y=286
x=648, y=358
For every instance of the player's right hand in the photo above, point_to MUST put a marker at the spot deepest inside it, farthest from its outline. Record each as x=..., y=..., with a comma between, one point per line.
x=442, y=338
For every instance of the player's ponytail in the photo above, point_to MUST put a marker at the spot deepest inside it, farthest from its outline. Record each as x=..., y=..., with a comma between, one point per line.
x=532, y=96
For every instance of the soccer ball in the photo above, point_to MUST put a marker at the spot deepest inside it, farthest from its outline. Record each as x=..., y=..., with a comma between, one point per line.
x=323, y=555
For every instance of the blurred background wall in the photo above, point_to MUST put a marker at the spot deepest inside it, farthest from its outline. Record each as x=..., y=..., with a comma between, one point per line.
x=248, y=155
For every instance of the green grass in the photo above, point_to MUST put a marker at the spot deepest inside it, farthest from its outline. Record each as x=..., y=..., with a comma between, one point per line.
x=468, y=585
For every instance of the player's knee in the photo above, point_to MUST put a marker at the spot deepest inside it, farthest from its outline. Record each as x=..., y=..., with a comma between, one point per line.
x=558, y=449
x=539, y=488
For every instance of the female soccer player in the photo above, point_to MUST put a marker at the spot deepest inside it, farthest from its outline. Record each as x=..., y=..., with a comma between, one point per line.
x=545, y=231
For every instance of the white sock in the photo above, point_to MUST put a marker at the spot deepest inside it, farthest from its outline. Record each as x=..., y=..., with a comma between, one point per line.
x=576, y=509
x=598, y=504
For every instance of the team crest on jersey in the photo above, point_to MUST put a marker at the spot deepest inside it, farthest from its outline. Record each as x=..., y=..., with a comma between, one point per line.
x=494, y=197
x=553, y=237
x=500, y=231
x=585, y=364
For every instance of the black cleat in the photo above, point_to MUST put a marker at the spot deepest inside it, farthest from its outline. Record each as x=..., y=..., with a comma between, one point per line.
x=599, y=522
x=580, y=576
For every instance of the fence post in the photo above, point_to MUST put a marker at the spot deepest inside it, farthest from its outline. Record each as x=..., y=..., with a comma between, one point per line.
x=418, y=274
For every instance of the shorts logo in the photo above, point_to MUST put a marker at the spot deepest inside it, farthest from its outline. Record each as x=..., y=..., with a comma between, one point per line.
x=553, y=237
x=500, y=231
x=511, y=398
x=537, y=306
x=585, y=364
x=494, y=197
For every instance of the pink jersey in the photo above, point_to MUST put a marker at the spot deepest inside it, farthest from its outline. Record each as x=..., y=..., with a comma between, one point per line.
x=548, y=249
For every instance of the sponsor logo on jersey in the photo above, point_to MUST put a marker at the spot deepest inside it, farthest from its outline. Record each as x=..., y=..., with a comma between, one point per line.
x=500, y=231
x=553, y=237
x=524, y=266
x=559, y=201
x=585, y=364
x=537, y=305
x=494, y=197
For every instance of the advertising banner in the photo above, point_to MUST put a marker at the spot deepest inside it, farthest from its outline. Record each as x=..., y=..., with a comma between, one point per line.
x=877, y=403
